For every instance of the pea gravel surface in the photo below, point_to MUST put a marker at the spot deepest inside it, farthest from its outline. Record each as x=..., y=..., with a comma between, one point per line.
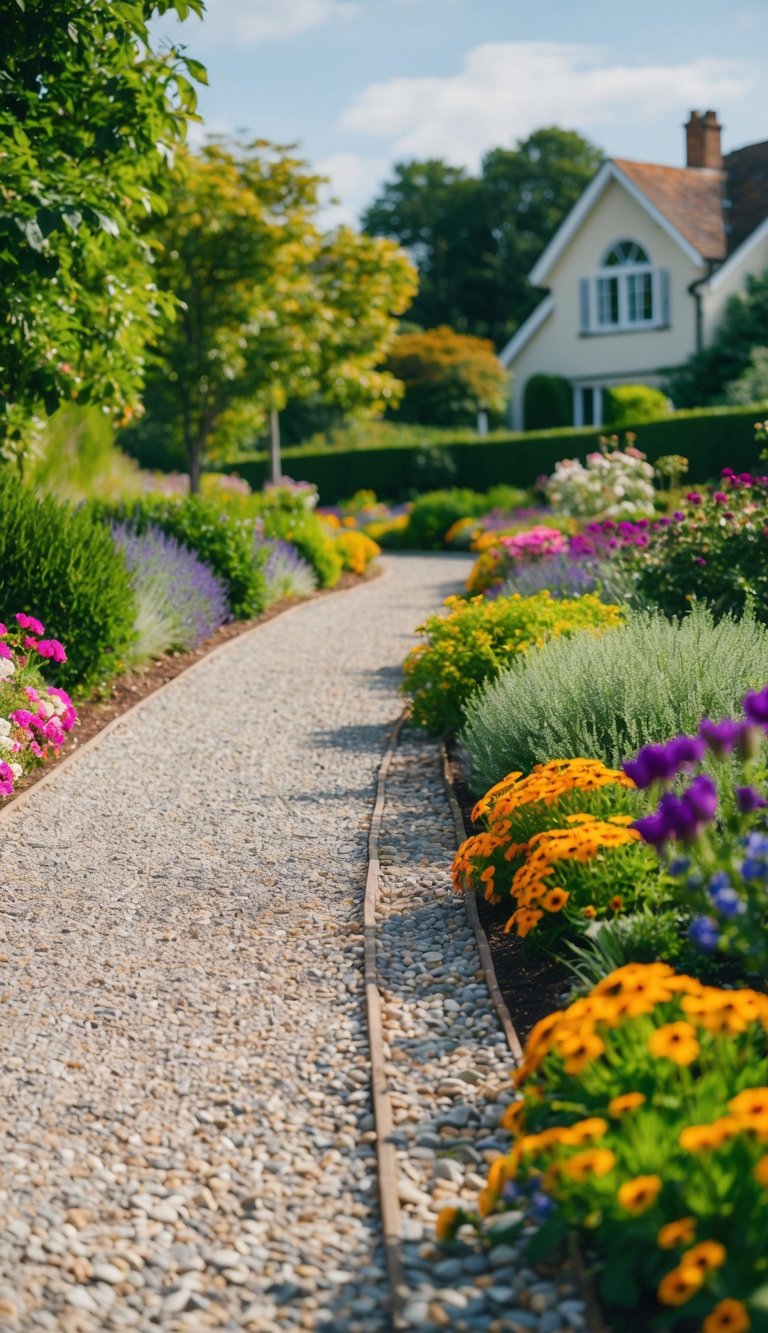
x=186, y=1138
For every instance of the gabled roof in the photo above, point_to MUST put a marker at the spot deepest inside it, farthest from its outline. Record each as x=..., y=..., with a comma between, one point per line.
x=691, y=198
x=610, y=171
x=747, y=191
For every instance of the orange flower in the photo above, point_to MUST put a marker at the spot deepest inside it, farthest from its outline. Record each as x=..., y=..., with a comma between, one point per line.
x=627, y=1101
x=584, y=1131
x=579, y=1050
x=677, y=1233
x=640, y=1194
x=594, y=1162
x=513, y=1117
x=708, y=1254
x=589, y=911
x=616, y=903
x=555, y=900
x=680, y=1285
x=761, y=1172
x=676, y=1042
x=706, y=1138
x=728, y=1316
x=447, y=1223
x=750, y=1102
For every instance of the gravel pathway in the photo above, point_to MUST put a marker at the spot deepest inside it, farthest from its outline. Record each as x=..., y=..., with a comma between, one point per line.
x=186, y=1140
x=448, y=1068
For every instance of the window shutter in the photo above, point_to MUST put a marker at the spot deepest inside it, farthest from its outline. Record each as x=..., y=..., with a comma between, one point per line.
x=584, y=304
x=664, y=296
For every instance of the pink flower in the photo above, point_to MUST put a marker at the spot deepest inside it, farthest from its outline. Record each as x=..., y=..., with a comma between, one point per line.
x=3, y=629
x=16, y=746
x=35, y=749
x=32, y=694
x=5, y=651
x=29, y=622
x=52, y=648
x=23, y=718
x=31, y=644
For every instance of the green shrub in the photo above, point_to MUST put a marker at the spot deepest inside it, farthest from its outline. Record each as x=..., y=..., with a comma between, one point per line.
x=548, y=402
x=604, y=698
x=477, y=639
x=221, y=540
x=633, y=404
x=433, y=514
x=60, y=564
x=297, y=524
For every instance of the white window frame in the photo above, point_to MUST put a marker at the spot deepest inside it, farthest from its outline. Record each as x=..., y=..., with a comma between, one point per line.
x=622, y=274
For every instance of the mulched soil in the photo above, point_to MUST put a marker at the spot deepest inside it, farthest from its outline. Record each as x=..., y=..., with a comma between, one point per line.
x=532, y=985
x=127, y=690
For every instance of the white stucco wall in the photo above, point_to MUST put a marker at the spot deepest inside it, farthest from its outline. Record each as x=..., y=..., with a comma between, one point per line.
x=637, y=356
x=731, y=282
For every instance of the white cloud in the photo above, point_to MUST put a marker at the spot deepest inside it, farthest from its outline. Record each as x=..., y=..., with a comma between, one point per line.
x=508, y=89
x=353, y=180
x=250, y=22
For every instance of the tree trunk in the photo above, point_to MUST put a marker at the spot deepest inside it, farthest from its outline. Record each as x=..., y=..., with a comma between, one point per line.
x=195, y=460
x=275, y=464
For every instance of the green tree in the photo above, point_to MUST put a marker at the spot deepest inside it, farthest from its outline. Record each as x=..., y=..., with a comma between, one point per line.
x=705, y=376
x=475, y=238
x=447, y=377
x=271, y=308
x=90, y=115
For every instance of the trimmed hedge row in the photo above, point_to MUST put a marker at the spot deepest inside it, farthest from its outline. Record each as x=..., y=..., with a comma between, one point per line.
x=711, y=438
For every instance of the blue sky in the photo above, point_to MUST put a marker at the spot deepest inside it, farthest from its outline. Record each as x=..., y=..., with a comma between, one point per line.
x=361, y=84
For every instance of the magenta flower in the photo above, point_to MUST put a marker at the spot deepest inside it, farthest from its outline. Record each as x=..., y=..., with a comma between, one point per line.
x=3, y=629
x=5, y=651
x=29, y=622
x=23, y=718
x=53, y=649
x=6, y=780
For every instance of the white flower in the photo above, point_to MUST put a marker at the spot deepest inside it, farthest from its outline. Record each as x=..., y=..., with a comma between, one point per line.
x=16, y=769
x=6, y=668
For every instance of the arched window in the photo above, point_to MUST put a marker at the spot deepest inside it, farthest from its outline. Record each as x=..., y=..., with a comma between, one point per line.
x=626, y=285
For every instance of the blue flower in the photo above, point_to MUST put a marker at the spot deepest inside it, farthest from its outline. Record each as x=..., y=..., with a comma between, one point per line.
x=753, y=869
x=727, y=901
x=704, y=932
x=541, y=1206
x=679, y=865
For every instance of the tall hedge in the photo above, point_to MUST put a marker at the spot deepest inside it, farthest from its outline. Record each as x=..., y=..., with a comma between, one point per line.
x=711, y=438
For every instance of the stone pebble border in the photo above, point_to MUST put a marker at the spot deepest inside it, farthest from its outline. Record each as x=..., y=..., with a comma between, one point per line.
x=447, y=1059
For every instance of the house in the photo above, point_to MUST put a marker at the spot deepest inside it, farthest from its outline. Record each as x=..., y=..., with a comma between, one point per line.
x=639, y=272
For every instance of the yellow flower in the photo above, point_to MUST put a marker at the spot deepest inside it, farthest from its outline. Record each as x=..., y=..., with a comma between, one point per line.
x=448, y=1222
x=680, y=1285
x=637, y=1195
x=728, y=1316
x=627, y=1101
x=513, y=1117
x=589, y=911
x=708, y=1254
x=676, y=1042
x=677, y=1233
x=593, y=1162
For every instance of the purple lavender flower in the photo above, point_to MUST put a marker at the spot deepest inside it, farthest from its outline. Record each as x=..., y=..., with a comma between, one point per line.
x=180, y=600
x=721, y=737
x=756, y=706
x=750, y=799
x=286, y=573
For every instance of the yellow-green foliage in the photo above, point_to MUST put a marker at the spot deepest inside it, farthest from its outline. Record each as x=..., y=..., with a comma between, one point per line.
x=478, y=638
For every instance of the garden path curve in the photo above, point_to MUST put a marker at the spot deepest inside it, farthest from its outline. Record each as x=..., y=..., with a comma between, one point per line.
x=186, y=1138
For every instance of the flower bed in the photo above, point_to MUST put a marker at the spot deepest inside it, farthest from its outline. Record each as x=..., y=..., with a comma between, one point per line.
x=34, y=717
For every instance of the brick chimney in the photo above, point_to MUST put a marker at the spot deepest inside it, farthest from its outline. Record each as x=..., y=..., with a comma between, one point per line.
x=702, y=141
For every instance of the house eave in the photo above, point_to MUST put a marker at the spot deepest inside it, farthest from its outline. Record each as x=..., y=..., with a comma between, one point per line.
x=737, y=257
x=583, y=207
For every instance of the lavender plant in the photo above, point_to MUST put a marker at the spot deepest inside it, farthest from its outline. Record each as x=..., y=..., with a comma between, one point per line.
x=286, y=573
x=564, y=577
x=180, y=601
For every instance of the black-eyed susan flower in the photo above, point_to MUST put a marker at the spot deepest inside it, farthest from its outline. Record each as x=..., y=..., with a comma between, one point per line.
x=708, y=1254
x=638, y=1195
x=680, y=1232
x=626, y=1101
x=676, y=1042
x=680, y=1285
x=728, y=1316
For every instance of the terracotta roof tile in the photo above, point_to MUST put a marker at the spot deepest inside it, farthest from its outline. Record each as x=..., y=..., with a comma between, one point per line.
x=747, y=189
x=691, y=198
